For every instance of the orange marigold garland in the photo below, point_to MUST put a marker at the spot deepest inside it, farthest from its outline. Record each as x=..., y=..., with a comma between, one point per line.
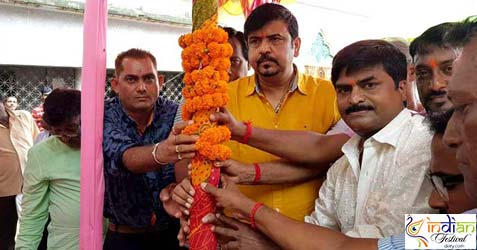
x=205, y=60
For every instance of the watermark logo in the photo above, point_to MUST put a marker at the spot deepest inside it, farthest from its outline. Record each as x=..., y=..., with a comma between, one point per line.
x=440, y=231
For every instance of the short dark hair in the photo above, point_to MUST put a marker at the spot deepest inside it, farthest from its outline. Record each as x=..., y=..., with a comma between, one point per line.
x=240, y=37
x=132, y=53
x=2, y=98
x=462, y=32
x=431, y=38
x=269, y=12
x=369, y=53
x=61, y=106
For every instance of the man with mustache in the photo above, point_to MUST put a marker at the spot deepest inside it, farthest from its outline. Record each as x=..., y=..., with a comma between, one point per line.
x=381, y=176
x=448, y=196
x=460, y=134
x=433, y=60
x=277, y=97
x=461, y=131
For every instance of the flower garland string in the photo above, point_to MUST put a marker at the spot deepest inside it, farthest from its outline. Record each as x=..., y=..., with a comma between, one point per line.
x=205, y=60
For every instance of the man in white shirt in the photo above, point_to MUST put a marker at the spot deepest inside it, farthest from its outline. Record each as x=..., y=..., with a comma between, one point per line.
x=382, y=173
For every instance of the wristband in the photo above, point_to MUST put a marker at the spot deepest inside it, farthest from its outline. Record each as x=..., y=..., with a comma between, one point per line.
x=252, y=214
x=154, y=149
x=258, y=173
x=248, y=132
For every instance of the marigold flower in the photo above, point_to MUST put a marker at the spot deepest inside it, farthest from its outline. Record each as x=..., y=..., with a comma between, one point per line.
x=205, y=60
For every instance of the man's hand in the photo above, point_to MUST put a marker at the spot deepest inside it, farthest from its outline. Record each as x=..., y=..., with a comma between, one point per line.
x=224, y=117
x=183, y=195
x=233, y=234
x=171, y=207
x=237, y=172
x=177, y=146
x=229, y=196
x=184, y=231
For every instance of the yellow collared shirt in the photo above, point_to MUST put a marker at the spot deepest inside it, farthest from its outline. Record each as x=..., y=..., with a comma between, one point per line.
x=310, y=106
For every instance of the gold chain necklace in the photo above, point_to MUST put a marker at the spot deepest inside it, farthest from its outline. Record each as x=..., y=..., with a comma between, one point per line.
x=280, y=103
x=282, y=99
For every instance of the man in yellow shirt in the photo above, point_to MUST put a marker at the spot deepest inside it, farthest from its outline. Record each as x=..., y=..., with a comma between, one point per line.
x=277, y=97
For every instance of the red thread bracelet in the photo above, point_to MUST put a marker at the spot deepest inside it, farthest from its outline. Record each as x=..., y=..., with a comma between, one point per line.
x=252, y=214
x=258, y=173
x=248, y=132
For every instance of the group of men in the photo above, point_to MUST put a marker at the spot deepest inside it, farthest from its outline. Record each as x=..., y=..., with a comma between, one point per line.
x=298, y=128
x=19, y=132
x=384, y=172
x=141, y=144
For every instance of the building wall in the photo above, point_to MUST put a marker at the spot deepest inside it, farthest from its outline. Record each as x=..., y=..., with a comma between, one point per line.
x=49, y=37
x=44, y=47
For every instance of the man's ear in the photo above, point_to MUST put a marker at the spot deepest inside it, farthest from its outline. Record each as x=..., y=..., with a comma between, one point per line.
x=160, y=79
x=402, y=89
x=411, y=73
x=296, y=46
x=114, y=85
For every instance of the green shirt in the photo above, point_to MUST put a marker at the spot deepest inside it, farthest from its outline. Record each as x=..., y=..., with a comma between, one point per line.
x=51, y=185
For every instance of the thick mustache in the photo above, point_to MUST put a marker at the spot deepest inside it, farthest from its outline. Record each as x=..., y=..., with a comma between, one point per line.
x=356, y=108
x=265, y=58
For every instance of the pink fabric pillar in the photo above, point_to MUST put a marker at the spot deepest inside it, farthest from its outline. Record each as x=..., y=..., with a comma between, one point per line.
x=92, y=108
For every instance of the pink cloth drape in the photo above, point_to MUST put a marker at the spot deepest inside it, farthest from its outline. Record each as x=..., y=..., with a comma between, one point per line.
x=92, y=108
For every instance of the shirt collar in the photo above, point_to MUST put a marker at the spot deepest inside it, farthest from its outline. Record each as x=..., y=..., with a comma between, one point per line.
x=351, y=151
x=388, y=135
x=153, y=119
x=297, y=83
x=391, y=132
x=149, y=122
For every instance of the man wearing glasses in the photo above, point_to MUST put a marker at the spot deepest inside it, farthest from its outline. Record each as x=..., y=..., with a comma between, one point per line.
x=449, y=194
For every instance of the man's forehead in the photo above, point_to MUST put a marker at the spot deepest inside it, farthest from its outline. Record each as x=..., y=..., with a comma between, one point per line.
x=137, y=66
x=132, y=60
x=360, y=75
x=435, y=56
x=271, y=28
